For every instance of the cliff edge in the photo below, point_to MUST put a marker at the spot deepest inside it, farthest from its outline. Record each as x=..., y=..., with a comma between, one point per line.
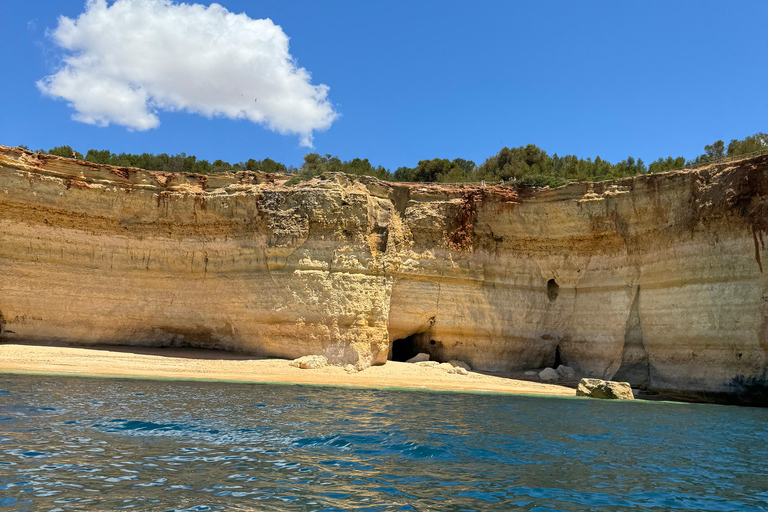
x=657, y=279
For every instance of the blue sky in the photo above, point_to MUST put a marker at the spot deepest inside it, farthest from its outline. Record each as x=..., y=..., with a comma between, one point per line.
x=425, y=79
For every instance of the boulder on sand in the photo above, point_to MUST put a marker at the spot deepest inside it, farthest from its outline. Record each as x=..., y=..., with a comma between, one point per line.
x=566, y=372
x=549, y=375
x=449, y=368
x=597, y=388
x=418, y=358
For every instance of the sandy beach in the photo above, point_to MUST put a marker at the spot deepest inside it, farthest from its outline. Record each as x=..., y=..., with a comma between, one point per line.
x=208, y=365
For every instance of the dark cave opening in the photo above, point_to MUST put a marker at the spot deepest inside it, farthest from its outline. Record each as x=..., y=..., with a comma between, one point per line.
x=553, y=290
x=558, y=359
x=405, y=348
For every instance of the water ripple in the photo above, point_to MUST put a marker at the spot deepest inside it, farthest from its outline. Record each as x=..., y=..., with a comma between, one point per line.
x=89, y=444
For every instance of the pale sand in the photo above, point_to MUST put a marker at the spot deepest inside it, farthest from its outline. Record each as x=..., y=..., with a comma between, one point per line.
x=192, y=364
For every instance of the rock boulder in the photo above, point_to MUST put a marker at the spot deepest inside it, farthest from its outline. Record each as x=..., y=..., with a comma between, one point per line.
x=549, y=375
x=418, y=358
x=597, y=388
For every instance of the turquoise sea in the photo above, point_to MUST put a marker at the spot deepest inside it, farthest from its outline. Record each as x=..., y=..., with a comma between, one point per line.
x=69, y=443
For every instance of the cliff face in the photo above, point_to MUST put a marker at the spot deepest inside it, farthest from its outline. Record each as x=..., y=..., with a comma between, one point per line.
x=655, y=279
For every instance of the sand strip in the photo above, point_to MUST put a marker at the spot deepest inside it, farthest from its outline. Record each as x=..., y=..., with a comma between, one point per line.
x=193, y=364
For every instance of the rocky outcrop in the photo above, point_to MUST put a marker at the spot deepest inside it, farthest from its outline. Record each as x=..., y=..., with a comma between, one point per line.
x=657, y=280
x=596, y=388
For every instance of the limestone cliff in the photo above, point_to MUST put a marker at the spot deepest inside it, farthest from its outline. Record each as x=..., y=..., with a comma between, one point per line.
x=655, y=279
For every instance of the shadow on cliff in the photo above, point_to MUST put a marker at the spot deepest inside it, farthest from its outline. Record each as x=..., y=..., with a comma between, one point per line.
x=177, y=352
x=748, y=391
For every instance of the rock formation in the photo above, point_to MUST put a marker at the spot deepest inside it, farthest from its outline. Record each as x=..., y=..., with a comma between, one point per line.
x=549, y=375
x=565, y=372
x=656, y=279
x=596, y=388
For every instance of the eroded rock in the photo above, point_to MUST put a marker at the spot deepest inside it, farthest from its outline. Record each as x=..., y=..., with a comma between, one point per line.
x=566, y=372
x=310, y=362
x=419, y=358
x=448, y=367
x=460, y=364
x=596, y=388
x=549, y=375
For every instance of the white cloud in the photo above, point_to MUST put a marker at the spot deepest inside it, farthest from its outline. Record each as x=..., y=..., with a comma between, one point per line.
x=133, y=58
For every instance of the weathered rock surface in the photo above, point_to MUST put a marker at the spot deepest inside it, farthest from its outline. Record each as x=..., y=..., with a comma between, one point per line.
x=565, y=372
x=419, y=358
x=460, y=364
x=657, y=280
x=549, y=375
x=310, y=362
x=596, y=388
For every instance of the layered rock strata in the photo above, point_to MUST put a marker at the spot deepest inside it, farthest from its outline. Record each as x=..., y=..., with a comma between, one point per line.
x=657, y=280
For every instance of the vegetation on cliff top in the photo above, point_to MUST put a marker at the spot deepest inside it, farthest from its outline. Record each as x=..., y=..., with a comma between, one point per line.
x=529, y=165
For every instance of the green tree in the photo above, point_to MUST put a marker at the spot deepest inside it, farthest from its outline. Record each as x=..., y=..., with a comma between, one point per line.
x=405, y=174
x=751, y=144
x=269, y=165
x=669, y=164
x=98, y=157
x=715, y=150
x=65, y=151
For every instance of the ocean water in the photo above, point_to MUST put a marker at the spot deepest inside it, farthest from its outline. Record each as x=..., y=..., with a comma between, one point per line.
x=116, y=444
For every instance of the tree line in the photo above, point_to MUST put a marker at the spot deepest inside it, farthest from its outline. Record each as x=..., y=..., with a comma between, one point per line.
x=166, y=163
x=529, y=165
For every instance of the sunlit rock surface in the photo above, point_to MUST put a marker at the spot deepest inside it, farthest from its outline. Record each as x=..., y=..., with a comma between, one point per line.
x=596, y=388
x=656, y=280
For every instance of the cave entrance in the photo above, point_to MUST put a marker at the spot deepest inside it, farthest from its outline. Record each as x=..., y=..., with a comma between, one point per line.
x=558, y=359
x=405, y=348
x=415, y=344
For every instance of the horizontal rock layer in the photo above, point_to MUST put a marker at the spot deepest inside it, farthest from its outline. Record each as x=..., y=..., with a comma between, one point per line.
x=656, y=280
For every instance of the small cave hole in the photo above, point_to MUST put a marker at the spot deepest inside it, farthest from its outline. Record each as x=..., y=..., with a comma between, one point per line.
x=432, y=342
x=405, y=348
x=558, y=359
x=553, y=290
